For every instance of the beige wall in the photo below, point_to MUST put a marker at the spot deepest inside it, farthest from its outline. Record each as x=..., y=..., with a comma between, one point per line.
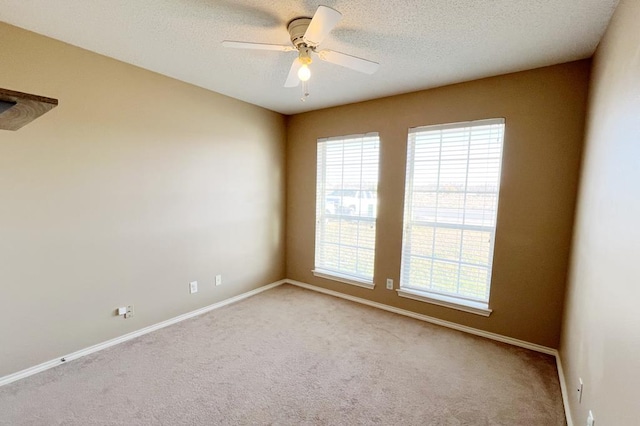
x=133, y=186
x=544, y=111
x=601, y=333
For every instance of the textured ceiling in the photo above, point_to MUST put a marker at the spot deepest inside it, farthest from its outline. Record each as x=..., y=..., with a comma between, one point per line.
x=418, y=43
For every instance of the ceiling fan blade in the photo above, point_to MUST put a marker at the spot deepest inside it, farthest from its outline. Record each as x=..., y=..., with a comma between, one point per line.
x=348, y=61
x=292, y=78
x=321, y=24
x=259, y=46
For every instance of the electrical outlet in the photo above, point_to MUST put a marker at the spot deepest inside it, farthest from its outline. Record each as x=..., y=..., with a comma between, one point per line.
x=590, y=420
x=218, y=280
x=580, y=389
x=389, y=284
x=129, y=312
x=193, y=287
x=121, y=311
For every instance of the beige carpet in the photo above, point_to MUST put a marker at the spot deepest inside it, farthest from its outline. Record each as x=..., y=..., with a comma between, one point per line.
x=294, y=357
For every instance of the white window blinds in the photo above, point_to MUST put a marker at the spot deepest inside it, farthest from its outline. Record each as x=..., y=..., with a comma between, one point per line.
x=451, y=202
x=346, y=206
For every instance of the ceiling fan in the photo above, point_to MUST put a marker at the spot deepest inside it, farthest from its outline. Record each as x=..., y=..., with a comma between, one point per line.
x=306, y=35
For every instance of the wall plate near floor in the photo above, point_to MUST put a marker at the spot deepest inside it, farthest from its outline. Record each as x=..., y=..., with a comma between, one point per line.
x=129, y=312
x=193, y=287
x=580, y=389
x=125, y=311
x=218, y=280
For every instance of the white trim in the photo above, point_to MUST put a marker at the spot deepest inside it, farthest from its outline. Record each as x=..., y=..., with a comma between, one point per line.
x=477, y=308
x=564, y=389
x=456, y=125
x=343, y=279
x=95, y=348
x=432, y=320
x=463, y=328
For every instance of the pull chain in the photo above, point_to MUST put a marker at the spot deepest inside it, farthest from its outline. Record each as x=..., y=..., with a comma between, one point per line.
x=305, y=91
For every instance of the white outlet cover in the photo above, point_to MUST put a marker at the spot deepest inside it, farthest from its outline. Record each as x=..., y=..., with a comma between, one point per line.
x=129, y=312
x=389, y=284
x=218, y=279
x=193, y=287
x=580, y=390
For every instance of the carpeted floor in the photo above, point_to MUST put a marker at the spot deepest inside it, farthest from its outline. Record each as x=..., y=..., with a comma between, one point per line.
x=290, y=356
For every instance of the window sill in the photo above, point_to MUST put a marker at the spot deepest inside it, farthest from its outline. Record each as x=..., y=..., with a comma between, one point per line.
x=343, y=279
x=477, y=308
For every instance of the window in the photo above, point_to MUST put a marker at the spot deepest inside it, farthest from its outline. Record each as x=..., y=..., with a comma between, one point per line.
x=346, y=208
x=451, y=205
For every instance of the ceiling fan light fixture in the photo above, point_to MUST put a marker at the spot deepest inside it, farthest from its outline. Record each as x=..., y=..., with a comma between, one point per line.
x=306, y=35
x=304, y=55
x=304, y=73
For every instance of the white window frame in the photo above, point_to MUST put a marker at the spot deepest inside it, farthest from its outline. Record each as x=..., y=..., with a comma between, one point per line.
x=323, y=216
x=478, y=306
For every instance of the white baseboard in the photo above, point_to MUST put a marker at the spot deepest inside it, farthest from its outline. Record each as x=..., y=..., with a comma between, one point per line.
x=564, y=389
x=432, y=320
x=455, y=326
x=500, y=338
x=95, y=348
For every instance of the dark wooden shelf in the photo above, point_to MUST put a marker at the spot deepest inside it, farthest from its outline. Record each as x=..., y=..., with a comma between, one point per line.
x=26, y=109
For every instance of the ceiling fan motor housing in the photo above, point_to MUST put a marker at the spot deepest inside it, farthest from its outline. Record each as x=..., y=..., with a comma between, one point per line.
x=297, y=28
x=306, y=35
